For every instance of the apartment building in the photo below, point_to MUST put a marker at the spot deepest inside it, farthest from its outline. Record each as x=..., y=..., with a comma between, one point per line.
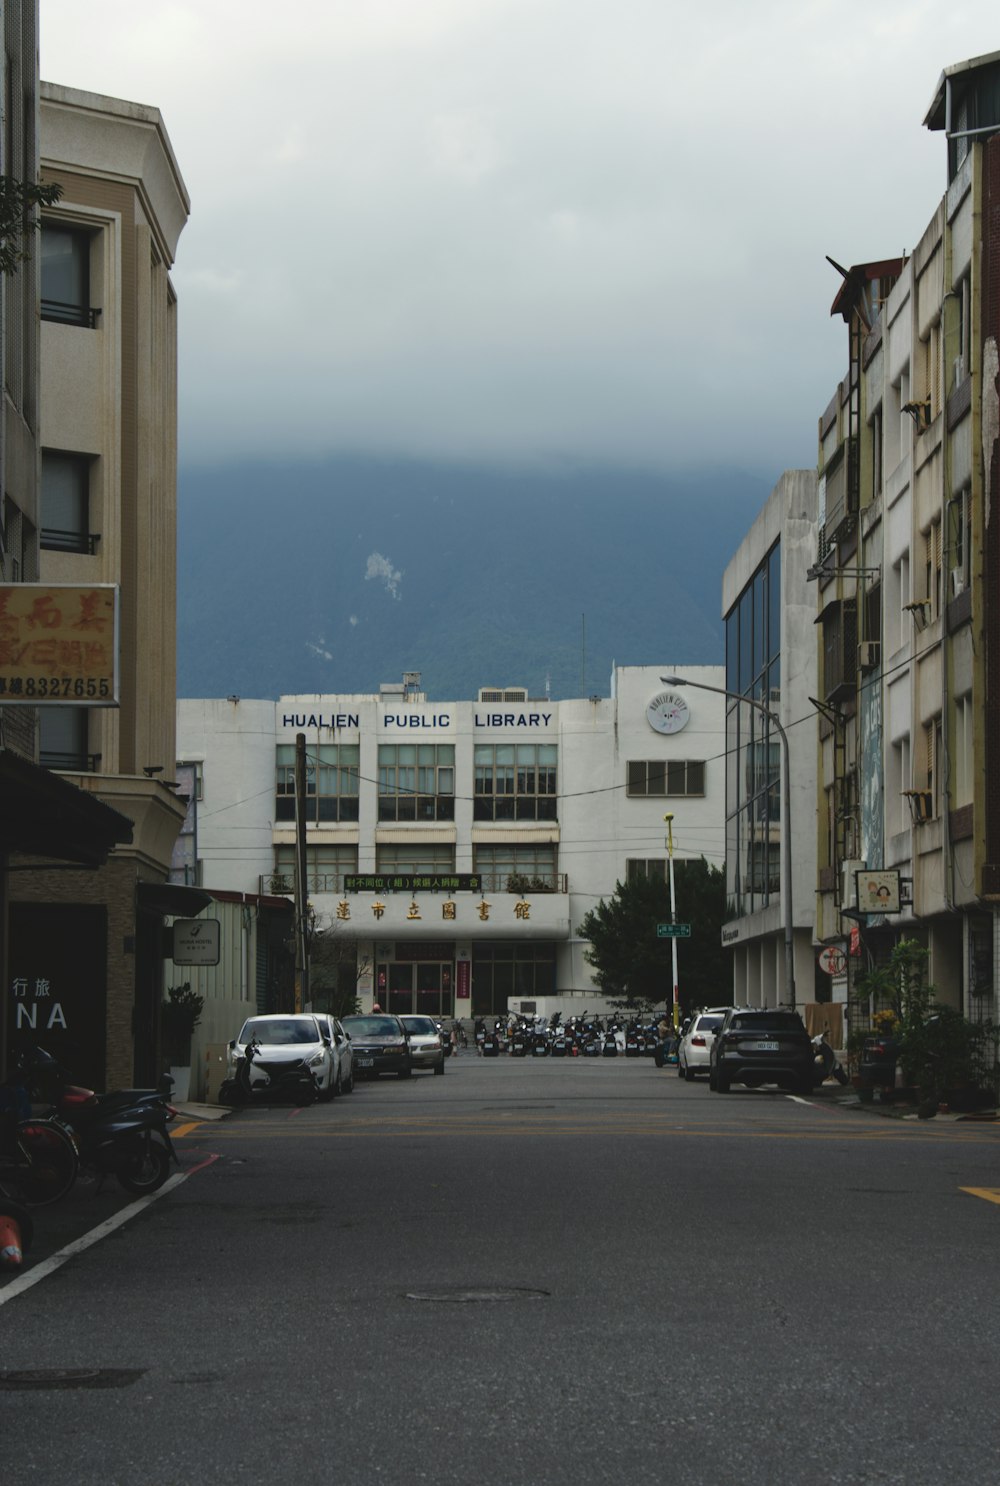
x=86, y=947
x=906, y=572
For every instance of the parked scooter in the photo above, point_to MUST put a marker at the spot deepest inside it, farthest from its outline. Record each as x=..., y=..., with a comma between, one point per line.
x=123, y=1133
x=826, y=1061
x=251, y=1080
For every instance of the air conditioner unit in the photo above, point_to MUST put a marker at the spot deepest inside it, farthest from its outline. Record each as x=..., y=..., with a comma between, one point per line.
x=868, y=655
x=849, y=882
x=957, y=582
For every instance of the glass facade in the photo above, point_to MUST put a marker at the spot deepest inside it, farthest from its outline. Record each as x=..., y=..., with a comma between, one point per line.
x=753, y=749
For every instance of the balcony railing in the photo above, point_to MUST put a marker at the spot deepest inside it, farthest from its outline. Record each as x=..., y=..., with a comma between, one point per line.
x=62, y=313
x=521, y=884
x=52, y=539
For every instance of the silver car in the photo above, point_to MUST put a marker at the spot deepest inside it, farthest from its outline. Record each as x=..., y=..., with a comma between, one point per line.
x=289, y=1042
x=426, y=1047
x=695, y=1048
x=343, y=1057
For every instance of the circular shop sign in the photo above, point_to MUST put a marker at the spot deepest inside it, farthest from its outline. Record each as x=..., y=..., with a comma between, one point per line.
x=833, y=961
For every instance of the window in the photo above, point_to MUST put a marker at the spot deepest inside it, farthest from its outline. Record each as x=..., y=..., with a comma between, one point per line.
x=416, y=781
x=331, y=784
x=959, y=543
x=964, y=755
x=643, y=869
x=416, y=858
x=326, y=865
x=529, y=864
x=524, y=968
x=932, y=766
x=932, y=569
x=66, y=502
x=515, y=781
x=63, y=739
x=665, y=777
x=66, y=275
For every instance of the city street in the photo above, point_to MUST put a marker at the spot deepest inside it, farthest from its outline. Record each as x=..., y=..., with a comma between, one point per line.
x=526, y=1272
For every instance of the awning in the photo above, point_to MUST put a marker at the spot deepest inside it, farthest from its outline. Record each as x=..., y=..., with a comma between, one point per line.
x=43, y=815
x=172, y=899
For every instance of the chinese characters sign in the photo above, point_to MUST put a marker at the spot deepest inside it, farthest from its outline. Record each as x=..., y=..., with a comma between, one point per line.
x=59, y=644
x=403, y=882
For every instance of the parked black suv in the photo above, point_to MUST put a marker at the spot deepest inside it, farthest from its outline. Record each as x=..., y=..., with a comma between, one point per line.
x=766, y=1046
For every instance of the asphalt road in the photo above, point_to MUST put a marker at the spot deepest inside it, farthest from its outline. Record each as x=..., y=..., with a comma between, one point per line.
x=548, y=1273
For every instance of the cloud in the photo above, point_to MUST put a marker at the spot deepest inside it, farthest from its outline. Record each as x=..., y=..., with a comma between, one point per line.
x=381, y=568
x=524, y=229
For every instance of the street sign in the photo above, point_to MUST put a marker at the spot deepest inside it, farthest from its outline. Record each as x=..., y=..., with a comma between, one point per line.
x=832, y=960
x=673, y=931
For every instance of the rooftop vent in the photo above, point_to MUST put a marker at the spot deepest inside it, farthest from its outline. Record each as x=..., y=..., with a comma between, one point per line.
x=503, y=694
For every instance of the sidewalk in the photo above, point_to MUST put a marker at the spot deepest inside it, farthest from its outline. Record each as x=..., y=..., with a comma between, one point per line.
x=191, y=1111
x=896, y=1109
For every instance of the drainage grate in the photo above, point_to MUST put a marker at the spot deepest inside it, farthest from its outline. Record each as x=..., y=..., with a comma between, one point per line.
x=71, y=1377
x=476, y=1294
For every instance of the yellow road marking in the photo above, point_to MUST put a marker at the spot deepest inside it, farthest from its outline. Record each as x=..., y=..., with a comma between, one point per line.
x=399, y=1128
x=988, y=1194
x=183, y=1130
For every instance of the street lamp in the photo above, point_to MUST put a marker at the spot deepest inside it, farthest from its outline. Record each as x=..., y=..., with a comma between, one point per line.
x=673, y=918
x=786, y=819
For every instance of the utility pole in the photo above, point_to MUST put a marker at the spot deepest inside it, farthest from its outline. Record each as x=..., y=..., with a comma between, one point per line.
x=673, y=918
x=301, y=880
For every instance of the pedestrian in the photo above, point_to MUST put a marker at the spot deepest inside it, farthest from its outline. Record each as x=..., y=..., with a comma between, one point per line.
x=376, y=1007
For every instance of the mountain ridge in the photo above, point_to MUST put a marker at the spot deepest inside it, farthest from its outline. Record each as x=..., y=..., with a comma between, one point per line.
x=335, y=576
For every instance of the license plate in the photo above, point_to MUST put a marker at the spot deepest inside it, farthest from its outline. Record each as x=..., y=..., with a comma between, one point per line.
x=365, y=1062
x=765, y=1047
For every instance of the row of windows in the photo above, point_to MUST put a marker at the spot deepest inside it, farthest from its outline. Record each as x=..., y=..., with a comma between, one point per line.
x=416, y=781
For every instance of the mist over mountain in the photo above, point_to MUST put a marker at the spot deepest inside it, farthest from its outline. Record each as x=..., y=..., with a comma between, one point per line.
x=336, y=577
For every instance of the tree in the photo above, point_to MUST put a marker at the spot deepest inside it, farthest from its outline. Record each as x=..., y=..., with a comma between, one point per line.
x=634, y=967
x=335, y=970
x=19, y=201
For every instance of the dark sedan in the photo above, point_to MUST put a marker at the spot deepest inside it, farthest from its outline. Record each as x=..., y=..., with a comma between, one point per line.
x=762, y=1046
x=379, y=1044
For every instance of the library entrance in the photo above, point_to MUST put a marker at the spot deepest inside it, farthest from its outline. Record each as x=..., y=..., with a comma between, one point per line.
x=424, y=987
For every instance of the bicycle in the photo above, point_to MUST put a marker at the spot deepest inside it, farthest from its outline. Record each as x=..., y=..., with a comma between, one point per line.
x=40, y=1164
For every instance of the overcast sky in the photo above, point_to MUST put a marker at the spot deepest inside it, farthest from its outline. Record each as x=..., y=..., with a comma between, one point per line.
x=523, y=229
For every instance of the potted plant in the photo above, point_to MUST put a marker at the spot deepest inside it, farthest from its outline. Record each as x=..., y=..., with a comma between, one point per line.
x=181, y=1013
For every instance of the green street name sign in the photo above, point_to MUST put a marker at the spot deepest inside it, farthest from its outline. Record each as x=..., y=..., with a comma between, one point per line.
x=673, y=931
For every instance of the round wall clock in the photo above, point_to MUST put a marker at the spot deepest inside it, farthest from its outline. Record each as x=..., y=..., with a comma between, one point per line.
x=668, y=712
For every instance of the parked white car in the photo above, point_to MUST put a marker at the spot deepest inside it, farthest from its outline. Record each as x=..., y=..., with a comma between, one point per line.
x=340, y=1044
x=695, y=1048
x=288, y=1041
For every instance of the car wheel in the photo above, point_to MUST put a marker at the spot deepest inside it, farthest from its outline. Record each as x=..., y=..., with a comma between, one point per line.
x=721, y=1084
x=711, y=1077
x=347, y=1085
x=439, y=1067
x=689, y=1075
x=680, y=1070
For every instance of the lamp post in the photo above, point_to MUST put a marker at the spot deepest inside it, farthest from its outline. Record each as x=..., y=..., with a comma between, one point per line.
x=673, y=919
x=786, y=820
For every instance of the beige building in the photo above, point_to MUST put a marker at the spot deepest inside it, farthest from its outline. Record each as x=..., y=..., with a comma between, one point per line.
x=90, y=942
x=907, y=569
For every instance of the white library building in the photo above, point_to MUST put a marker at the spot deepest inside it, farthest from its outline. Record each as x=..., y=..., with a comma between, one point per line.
x=455, y=847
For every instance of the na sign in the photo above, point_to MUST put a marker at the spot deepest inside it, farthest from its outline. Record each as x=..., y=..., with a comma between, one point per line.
x=196, y=941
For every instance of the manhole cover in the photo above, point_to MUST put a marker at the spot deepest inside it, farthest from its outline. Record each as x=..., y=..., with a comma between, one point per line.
x=71, y=1377
x=476, y=1294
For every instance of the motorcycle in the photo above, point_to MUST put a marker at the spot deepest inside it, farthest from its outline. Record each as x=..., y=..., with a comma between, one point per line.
x=276, y=1081
x=122, y=1133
